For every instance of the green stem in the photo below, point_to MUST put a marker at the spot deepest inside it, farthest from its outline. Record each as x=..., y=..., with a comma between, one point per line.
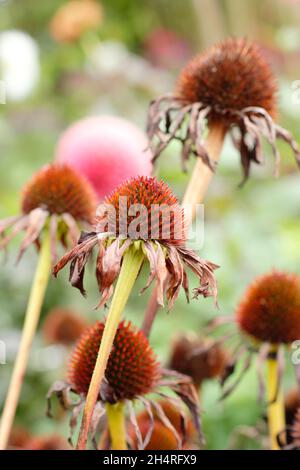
x=116, y=425
x=276, y=415
x=131, y=265
x=32, y=315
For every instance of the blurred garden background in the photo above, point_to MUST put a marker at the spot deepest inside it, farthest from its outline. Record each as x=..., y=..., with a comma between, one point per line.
x=132, y=54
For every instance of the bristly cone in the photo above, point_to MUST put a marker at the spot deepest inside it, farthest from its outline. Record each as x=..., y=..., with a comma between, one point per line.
x=199, y=358
x=59, y=190
x=270, y=309
x=132, y=369
x=63, y=326
x=230, y=86
x=149, y=193
x=229, y=77
x=57, y=197
x=156, y=226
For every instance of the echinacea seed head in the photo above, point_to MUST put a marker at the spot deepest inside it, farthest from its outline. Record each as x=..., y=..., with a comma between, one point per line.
x=63, y=326
x=132, y=368
x=199, y=358
x=229, y=77
x=270, y=309
x=151, y=206
x=59, y=190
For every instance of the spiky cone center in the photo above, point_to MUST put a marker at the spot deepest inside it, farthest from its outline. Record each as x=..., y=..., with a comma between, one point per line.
x=63, y=326
x=229, y=77
x=144, y=208
x=58, y=189
x=200, y=359
x=132, y=368
x=270, y=309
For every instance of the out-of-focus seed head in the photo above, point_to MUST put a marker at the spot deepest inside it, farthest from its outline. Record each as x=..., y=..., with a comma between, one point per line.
x=59, y=189
x=132, y=368
x=200, y=359
x=229, y=77
x=270, y=309
x=63, y=326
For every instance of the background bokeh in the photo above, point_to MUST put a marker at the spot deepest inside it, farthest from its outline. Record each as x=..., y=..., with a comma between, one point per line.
x=133, y=55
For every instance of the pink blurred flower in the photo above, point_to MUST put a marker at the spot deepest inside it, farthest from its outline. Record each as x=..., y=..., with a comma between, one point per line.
x=107, y=150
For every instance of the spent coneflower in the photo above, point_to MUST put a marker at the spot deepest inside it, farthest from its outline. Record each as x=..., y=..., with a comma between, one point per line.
x=141, y=220
x=72, y=20
x=54, y=202
x=162, y=437
x=106, y=150
x=228, y=89
x=131, y=375
x=232, y=88
x=199, y=358
x=63, y=326
x=268, y=319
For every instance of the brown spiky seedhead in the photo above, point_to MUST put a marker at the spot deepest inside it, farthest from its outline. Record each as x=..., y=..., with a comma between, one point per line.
x=59, y=190
x=229, y=77
x=230, y=85
x=270, y=309
x=58, y=196
x=163, y=218
x=133, y=375
x=163, y=437
x=63, y=326
x=161, y=239
x=199, y=358
x=132, y=368
x=268, y=320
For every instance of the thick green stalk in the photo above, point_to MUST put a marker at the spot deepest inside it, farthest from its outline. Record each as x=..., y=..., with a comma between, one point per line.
x=131, y=265
x=116, y=425
x=32, y=315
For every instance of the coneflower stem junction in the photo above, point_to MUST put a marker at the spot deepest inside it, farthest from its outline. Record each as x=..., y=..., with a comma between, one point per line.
x=132, y=262
x=194, y=195
x=116, y=425
x=32, y=315
x=276, y=413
